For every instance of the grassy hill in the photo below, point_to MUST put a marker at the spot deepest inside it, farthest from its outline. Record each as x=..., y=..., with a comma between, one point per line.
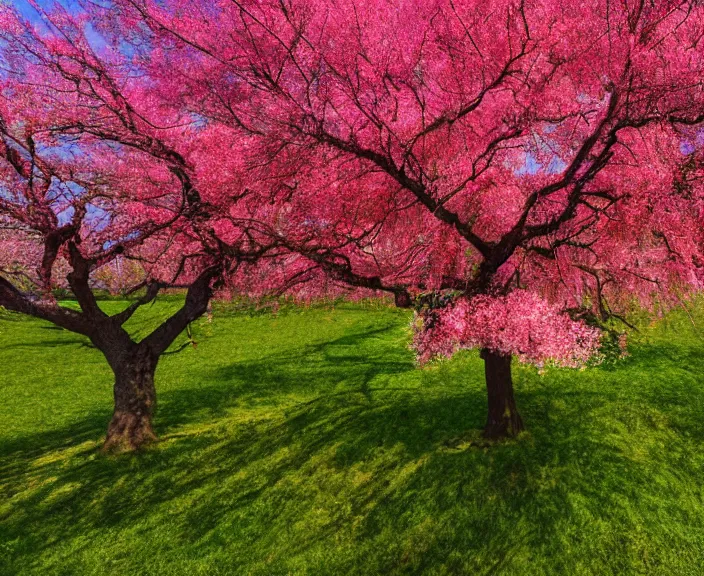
x=307, y=442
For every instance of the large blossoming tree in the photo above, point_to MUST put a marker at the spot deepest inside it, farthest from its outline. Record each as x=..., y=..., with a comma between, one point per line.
x=523, y=153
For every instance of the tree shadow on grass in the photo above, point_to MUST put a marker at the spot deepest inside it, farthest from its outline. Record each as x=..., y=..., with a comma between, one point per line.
x=346, y=365
x=382, y=471
x=365, y=474
x=82, y=342
x=661, y=355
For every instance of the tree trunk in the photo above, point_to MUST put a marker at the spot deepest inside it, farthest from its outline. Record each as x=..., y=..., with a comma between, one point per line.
x=503, y=419
x=135, y=401
x=403, y=299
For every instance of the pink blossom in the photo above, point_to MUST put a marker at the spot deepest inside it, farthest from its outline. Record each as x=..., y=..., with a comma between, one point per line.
x=521, y=323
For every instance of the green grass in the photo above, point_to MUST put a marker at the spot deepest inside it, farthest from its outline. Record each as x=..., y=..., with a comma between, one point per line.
x=309, y=443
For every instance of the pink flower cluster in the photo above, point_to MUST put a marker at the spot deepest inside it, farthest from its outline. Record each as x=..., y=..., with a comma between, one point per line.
x=521, y=323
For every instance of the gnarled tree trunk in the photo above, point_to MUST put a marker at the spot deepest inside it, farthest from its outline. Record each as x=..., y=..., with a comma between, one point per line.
x=135, y=401
x=503, y=419
x=132, y=363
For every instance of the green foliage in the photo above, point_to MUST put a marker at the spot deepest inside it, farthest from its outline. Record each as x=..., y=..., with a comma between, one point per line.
x=307, y=442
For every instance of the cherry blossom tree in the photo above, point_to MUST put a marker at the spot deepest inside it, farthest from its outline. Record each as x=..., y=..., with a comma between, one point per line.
x=521, y=153
x=106, y=173
x=93, y=173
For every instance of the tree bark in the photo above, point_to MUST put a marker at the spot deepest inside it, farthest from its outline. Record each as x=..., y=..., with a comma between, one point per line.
x=135, y=401
x=503, y=419
x=134, y=366
x=403, y=299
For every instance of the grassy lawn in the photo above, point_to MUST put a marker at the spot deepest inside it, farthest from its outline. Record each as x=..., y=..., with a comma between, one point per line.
x=309, y=443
